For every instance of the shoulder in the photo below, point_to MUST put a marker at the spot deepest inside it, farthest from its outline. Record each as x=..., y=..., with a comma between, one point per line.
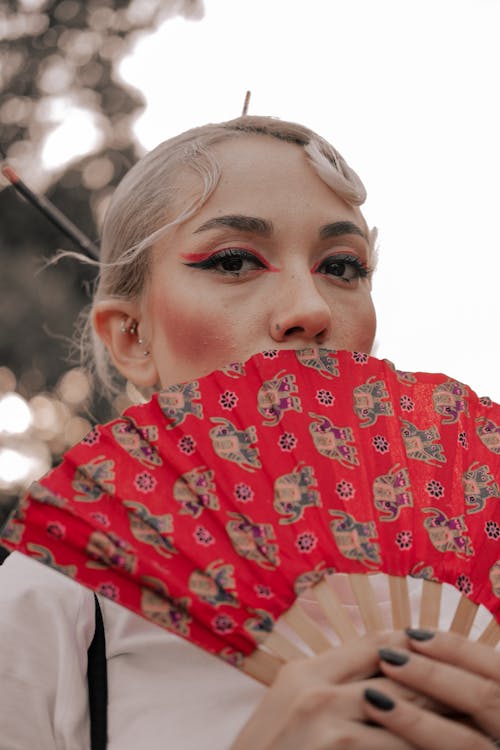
x=20, y=572
x=47, y=622
x=31, y=593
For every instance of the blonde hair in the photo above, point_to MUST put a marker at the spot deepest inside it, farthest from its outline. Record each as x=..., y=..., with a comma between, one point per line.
x=139, y=215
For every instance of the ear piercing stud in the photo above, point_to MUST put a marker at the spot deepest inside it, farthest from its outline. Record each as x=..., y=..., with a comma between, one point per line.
x=130, y=326
x=145, y=352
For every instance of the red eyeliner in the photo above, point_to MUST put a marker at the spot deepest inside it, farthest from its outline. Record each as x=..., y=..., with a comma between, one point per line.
x=195, y=257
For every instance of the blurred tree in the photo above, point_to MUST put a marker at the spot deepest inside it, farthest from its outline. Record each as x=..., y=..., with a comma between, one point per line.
x=58, y=68
x=66, y=121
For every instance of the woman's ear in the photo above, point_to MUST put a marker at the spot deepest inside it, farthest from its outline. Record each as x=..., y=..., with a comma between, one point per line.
x=118, y=325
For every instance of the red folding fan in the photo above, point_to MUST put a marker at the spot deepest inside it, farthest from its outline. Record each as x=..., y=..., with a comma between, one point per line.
x=212, y=508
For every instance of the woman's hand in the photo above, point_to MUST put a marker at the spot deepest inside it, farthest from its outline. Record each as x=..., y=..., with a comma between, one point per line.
x=318, y=704
x=463, y=675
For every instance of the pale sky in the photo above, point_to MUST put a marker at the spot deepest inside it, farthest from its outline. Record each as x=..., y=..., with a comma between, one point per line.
x=408, y=92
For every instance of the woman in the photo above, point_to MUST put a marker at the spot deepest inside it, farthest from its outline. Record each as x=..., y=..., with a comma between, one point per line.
x=229, y=240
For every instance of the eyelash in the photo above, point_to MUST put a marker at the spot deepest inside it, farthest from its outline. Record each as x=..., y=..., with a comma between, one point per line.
x=360, y=269
x=237, y=253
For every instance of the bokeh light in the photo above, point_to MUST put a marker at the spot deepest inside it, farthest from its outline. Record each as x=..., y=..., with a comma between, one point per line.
x=7, y=380
x=74, y=387
x=76, y=135
x=46, y=416
x=36, y=431
x=22, y=463
x=15, y=414
x=98, y=173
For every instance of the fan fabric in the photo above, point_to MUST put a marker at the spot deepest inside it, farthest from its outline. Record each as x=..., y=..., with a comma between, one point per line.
x=209, y=509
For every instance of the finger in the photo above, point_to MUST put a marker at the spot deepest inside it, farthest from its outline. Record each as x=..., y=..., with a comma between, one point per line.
x=354, y=660
x=458, y=650
x=468, y=693
x=352, y=694
x=346, y=701
x=423, y=729
x=361, y=736
x=329, y=732
x=319, y=719
x=397, y=690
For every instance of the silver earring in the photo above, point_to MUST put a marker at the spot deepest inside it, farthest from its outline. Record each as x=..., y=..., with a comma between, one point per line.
x=141, y=341
x=131, y=327
x=128, y=325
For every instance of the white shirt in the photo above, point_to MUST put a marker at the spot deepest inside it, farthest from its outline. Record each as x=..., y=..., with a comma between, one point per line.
x=163, y=691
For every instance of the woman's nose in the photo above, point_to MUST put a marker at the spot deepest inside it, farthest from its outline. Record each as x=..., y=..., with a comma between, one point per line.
x=300, y=313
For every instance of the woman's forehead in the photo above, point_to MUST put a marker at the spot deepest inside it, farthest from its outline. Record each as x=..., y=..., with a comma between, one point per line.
x=257, y=151
x=256, y=168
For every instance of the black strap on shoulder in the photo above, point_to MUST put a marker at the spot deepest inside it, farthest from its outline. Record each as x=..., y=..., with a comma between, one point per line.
x=98, y=684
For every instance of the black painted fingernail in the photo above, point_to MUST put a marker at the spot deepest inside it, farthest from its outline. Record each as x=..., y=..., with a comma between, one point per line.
x=379, y=700
x=417, y=634
x=393, y=657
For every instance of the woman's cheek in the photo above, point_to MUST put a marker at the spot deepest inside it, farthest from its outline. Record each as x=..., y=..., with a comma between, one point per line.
x=353, y=325
x=363, y=326
x=193, y=346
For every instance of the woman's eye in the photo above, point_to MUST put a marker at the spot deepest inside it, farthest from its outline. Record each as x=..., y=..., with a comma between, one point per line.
x=234, y=261
x=345, y=267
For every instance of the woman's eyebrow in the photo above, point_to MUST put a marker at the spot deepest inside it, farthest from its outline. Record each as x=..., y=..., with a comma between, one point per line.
x=338, y=228
x=240, y=222
x=265, y=228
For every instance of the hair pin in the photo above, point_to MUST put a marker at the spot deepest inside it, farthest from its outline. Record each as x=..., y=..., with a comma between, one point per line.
x=246, y=103
x=52, y=213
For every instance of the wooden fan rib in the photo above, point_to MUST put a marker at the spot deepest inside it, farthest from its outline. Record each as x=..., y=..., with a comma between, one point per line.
x=307, y=629
x=464, y=616
x=334, y=612
x=430, y=605
x=313, y=636
x=283, y=647
x=400, y=602
x=491, y=634
x=367, y=602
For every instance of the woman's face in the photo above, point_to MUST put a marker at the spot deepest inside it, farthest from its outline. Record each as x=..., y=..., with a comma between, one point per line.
x=273, y=260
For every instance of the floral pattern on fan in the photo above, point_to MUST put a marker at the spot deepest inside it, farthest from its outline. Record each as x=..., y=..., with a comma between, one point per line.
x=211, y=507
